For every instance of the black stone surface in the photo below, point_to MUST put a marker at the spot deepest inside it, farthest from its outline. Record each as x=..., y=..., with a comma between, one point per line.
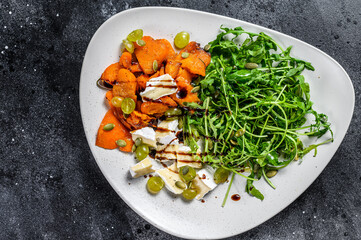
x=50, y=185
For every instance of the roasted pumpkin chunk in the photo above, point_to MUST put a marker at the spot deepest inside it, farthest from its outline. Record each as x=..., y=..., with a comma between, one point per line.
x=172, y=67
x=197, y=61
x=126, y=85
x=138, y=120
x=125, y=60
x=142, y=82
x=110, y=74
x=185, y=76
x=153, y=108
x=107, y=139
x=153, y=50
x=168, y=101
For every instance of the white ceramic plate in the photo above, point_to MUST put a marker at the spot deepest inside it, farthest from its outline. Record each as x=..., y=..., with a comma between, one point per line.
x=331, y=91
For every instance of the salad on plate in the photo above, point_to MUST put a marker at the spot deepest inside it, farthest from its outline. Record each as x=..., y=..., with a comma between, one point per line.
x=194, y=117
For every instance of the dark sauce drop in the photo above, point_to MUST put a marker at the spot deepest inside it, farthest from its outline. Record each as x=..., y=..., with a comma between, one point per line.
x=236, y=197
x=203, y=201
x=204, y=176
x=182, y=93
x=179, y=135
x=152, y=153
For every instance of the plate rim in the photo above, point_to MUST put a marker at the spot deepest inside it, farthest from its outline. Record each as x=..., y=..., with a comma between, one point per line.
x=92, y=146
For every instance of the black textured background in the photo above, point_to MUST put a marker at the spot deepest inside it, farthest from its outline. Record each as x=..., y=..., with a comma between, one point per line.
x=50, y=185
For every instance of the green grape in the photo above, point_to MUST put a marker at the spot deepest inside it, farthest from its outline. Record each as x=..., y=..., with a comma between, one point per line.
x=155, y=184
x=128, y=45
x=187, y=173
x=221, y=175
x=173, y=112
x=189, y=193
x=181, y=39
x=142, y=151
x=128, y=105
x=138, y=141
x=135, y=35
x=117, y=101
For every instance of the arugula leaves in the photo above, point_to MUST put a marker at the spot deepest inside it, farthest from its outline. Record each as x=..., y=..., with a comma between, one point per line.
x=267, y=104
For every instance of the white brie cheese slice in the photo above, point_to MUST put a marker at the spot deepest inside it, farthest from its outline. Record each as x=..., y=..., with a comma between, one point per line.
x=185, y=158
x=159, y=87
x=141, y=168
x=147, y=134
x=207, y=178
x=170, y=178
x=202, y=188
x=171, y=126
x=166, y=153
x=165, y=133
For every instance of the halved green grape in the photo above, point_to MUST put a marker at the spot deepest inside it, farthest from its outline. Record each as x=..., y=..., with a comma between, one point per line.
x=128, y=45
x=171, y=118
x=117, y=101
x=189, y=193
x=142, y=151
x=173, y=112
x=138, y=141
x=135, y=35
x=221, y=175
x=181, y=39
x=128, y=105
x=187, y=173
x=155, y=184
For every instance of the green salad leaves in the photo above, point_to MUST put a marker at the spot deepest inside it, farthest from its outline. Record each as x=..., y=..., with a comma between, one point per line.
x=254, y=107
